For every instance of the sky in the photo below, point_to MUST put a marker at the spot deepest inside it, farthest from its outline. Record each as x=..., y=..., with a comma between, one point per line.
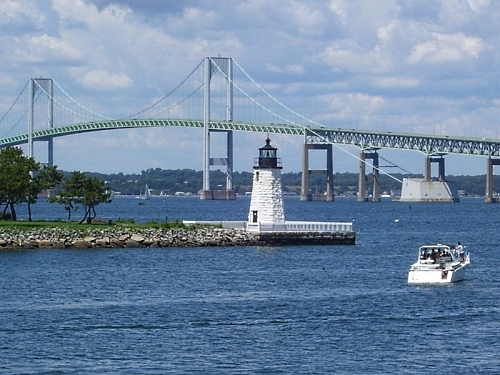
x=417, y=66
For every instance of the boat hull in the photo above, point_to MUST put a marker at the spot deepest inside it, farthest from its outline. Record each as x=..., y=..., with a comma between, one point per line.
x=436, y=276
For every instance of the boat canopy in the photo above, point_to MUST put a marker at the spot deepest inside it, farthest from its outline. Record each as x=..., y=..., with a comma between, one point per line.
x=436, y=251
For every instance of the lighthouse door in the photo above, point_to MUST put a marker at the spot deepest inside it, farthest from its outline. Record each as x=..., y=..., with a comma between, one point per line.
x=254, y=216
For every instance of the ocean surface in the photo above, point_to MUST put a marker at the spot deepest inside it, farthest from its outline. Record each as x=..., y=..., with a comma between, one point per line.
x=257, y=310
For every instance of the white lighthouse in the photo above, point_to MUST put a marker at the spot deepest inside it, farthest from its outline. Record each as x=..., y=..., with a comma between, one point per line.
x=266, y=205
x=266, y=217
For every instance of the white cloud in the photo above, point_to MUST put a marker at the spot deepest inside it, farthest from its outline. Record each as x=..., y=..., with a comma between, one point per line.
x=291, y=68
x=44, y=48
x=383, y=65
x=478, y=5
x=396, y=82
x=444, y=48
x=103, y=80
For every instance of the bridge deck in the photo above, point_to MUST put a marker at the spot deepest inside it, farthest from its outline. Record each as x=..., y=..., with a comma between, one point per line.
x=366, y=140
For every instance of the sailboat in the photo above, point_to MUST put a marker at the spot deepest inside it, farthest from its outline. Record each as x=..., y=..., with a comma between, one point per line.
x=147, y=193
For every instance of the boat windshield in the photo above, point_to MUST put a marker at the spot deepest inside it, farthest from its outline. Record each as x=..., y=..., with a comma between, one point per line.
x=436, y=252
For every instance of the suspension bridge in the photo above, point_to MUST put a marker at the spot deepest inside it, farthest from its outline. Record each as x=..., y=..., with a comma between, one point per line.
x=225, y=99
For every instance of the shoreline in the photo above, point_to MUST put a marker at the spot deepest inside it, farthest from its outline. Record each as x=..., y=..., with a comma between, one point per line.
x=122, y=237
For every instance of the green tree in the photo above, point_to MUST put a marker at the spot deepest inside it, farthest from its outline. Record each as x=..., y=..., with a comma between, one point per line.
x=95, y=192
x=82, y=190
x=15, y=178
x=46, y=178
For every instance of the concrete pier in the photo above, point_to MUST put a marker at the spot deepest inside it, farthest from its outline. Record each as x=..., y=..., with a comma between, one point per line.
x=428, y=167
x=307, y=233
x=218, y=195
x=363, y=178
x=489, y=198
x=305, y=194
x=422, y=190
x=427, y=189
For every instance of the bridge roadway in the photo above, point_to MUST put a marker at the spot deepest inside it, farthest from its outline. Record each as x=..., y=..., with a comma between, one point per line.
x=365, y=140
x=314, y=138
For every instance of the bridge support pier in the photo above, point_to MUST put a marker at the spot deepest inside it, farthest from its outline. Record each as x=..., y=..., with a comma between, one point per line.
x=489, y=198
x=428, y=189
x=362, y=176
x=305, y=194
x=427, y=171
x=212, y=66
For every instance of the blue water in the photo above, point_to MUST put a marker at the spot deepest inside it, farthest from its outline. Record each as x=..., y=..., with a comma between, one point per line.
x=257, y=310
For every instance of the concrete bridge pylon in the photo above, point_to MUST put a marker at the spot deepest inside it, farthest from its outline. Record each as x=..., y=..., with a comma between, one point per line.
x=489, y=198
x=441, y=168
x=362, y=176
x=305, y=194
x=212, y=66
x=47, y=84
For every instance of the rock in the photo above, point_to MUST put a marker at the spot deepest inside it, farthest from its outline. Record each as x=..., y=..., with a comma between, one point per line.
x=123, y=237
x=115, y=242
x=46, y=244
x=131, y=243
x=81, y=244
x=104, y=242
x=115, y=237
x=137, y=237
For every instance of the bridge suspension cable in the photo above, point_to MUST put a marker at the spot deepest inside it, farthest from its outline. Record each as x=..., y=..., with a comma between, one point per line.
x=395, y=165
x=74, y=101
x=276, y=100
x=14, y=103
x=254, y=100
x=176, y=104
x=12, y=106
x=306, y=128
x=170, y=93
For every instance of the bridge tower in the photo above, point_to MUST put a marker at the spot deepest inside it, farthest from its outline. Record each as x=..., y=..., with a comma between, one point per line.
x=305, y=195
x=489, y=180
x=212, y=66
x=47, y=85
x=362, y=176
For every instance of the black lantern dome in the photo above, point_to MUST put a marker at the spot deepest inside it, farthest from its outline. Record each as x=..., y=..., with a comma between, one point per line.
x=268, y=156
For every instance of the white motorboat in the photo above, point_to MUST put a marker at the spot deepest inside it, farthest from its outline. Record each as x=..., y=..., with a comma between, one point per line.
x=439, y=263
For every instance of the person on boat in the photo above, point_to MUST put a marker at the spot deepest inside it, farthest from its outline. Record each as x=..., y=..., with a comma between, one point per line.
x=460, y=251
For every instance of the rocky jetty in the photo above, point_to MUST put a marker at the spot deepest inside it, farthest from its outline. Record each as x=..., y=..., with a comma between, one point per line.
x=122, y=237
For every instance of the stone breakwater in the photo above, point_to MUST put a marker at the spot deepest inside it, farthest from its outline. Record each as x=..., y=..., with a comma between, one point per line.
x=121, y=237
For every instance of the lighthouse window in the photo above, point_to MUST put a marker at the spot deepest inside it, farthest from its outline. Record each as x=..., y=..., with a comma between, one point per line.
x=257, y=176
x=267, y=153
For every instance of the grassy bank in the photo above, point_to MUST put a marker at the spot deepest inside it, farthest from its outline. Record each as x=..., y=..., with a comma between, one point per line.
x=74, y=225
